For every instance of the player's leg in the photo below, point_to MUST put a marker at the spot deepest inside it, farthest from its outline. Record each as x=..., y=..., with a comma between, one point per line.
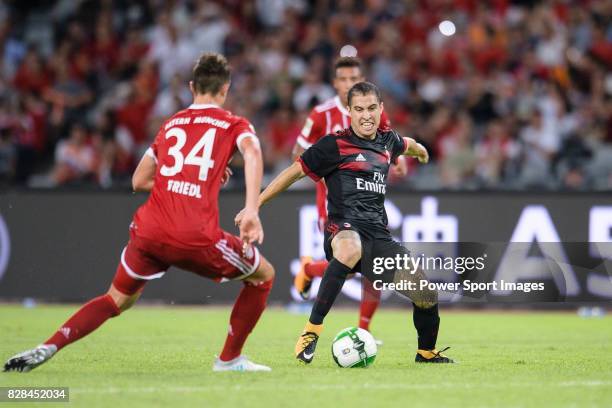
x=370, y=299
x=229, y=259
x=346, y=253
x=248, y=307
x=91, y=316
x=135, y=269
x=426, y=317
x=309, y=270
x=87, y=319
x=125, y=289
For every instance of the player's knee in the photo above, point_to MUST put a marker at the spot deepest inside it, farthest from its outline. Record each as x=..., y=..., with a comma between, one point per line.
x=129, y=302
x=265, y=272
x=348, y=254
x=269, y=272
x=427, y=299
x=122, y=301
x=425, y=304
x=117, y=300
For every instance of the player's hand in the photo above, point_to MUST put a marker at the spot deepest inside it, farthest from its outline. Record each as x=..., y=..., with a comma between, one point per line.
x=226, y=176
x=250, y=227
x=238, y=217
x=422, y=155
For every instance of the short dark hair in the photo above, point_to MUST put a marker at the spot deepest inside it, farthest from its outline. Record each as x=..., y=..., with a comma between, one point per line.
x=363, y=88
x=210, y=73
x=348, y=62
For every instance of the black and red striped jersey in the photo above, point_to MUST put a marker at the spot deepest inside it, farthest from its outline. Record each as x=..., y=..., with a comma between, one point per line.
x=355, y=172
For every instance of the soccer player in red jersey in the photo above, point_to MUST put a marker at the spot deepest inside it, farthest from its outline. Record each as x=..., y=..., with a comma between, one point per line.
x=329, y=117
x=179, y=224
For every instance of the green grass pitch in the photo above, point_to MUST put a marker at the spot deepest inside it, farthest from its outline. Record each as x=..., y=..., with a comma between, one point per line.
x=162, y=356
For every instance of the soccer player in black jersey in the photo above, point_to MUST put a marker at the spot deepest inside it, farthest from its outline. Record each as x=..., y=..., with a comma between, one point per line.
x=354, y=163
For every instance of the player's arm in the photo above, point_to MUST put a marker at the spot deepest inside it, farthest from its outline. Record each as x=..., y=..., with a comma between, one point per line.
x=144, y=175
x=317, y=162
x=415, y=149
x=297, y=151
x=282, y=182
x=253, y=171
x=250, y=229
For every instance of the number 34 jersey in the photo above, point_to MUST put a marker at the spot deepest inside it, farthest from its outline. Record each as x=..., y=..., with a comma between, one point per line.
x=191, y=150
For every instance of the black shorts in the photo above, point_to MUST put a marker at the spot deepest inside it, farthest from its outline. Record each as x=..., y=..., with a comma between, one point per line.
x=376, y=242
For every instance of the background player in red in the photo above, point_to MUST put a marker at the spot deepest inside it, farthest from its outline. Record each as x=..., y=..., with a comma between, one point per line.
x=329, y=117
x=179, y=224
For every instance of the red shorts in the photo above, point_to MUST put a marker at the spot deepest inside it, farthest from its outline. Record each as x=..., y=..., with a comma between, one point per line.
x=143, y=260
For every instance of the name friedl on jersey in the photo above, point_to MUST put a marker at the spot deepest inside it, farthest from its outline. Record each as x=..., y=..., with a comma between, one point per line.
x=185, y=188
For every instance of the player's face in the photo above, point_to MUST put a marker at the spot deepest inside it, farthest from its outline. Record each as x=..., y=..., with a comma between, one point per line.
x=365, y=111
x=345, y=78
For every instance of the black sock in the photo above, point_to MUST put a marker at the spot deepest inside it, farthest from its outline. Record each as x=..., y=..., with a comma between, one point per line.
x=331, y=285
x=426, y=322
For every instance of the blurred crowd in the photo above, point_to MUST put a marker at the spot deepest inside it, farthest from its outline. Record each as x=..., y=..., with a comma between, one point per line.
x=520, y=97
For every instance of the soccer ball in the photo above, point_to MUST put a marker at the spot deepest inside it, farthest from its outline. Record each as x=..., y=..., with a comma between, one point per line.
x=354, y=347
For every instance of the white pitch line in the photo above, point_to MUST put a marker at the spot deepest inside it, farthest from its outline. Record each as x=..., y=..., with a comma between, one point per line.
x=381, y=386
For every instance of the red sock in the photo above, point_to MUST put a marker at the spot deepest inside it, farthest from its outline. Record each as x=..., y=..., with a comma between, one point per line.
x=89, y=317
x=248, y=307
x=315, y=269
x=370, y=299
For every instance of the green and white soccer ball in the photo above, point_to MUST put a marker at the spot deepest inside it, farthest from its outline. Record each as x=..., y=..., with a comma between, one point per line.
x=354, y=347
